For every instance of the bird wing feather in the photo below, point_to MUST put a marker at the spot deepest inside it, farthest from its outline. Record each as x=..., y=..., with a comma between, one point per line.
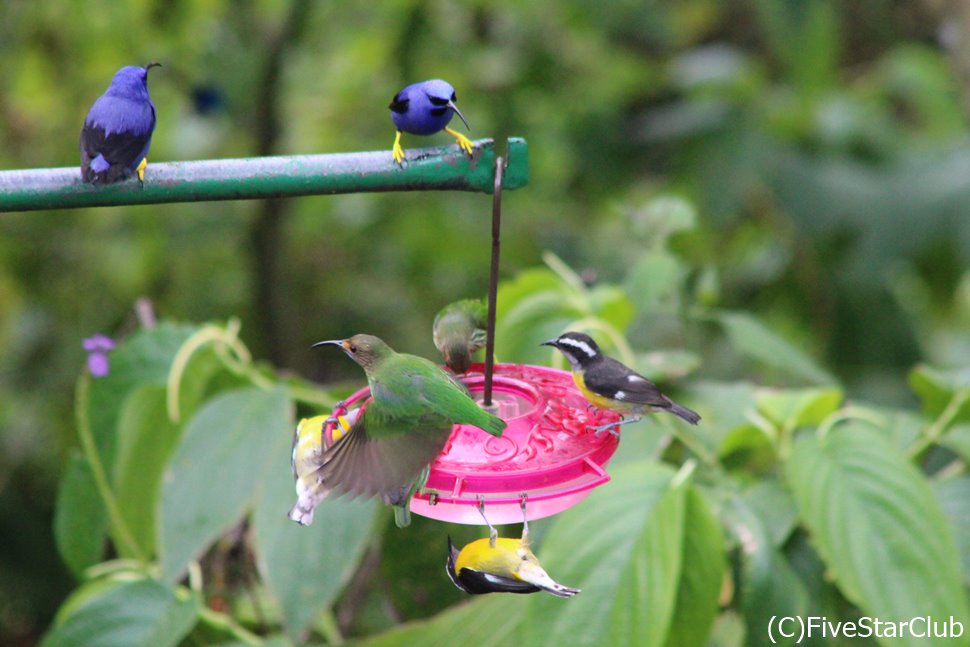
x=367, y=464
x=123, y=147
x=611, y=377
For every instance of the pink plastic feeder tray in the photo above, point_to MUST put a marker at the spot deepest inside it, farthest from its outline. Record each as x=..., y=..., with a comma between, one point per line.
x=547, y=453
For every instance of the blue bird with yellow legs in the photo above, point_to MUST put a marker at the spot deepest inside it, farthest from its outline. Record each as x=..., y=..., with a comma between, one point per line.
x=117, y=132
x=424, y=109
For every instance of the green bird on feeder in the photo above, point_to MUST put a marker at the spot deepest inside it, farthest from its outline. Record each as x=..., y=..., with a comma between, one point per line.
x=414, y=405
x=459, y=332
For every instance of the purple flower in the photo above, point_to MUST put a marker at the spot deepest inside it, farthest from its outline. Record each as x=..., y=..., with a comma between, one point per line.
x=97, y=348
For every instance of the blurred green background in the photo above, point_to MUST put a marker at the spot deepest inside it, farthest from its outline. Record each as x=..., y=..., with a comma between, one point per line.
x=821, y=144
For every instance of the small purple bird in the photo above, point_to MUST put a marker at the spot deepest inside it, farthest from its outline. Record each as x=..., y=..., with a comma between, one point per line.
x=118, y=129
x=424, y=109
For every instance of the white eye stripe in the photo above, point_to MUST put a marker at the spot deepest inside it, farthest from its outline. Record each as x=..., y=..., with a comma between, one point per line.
x=581, y=345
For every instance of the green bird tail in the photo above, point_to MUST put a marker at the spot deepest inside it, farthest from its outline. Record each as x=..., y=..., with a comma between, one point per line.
x=492, y=424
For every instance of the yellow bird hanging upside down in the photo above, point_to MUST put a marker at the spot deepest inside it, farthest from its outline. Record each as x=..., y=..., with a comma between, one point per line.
x=501, y=565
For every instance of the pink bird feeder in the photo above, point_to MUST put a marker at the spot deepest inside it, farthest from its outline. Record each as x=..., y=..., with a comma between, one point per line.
x=548, y=454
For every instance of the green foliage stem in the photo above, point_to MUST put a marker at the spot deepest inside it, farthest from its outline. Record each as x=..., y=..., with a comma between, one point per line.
x=90, y=450
x=934, y=431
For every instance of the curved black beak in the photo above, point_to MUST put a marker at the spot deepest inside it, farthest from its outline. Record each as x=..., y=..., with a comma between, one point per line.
x=549, y=342
x=151, y=65
x=451, y=104
x=329, y=342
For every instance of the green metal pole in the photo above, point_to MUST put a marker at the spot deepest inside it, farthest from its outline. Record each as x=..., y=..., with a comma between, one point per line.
x=441, y=168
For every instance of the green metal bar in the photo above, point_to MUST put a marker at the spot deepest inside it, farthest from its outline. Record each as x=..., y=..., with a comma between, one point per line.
x=442, y=168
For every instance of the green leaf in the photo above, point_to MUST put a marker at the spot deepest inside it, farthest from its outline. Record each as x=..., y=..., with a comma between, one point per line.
x=954, y=497
x=80, y=522
x=727, y=408
x=752, y=338
x=877, y=526
x=774, y=506
x=628, y=568
x=218, y=466
x=147, y=441
x=701, y=577
x=662, y=365
x=144, y=613
x=793, y=408
x=767, y=584
x=143, y=358
x=485, y=621
x=957, y=440
x=306, y=568
x=936, y=388
x=656, y=276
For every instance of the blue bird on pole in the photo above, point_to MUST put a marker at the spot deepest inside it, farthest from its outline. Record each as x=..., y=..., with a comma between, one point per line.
x=118, y=129
x=424, y=109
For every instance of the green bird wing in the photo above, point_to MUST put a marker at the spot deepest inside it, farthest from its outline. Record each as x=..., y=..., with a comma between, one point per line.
x=380, y=456
x=413, y=388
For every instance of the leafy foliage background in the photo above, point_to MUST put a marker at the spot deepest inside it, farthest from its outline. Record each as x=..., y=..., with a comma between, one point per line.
x=760, y=203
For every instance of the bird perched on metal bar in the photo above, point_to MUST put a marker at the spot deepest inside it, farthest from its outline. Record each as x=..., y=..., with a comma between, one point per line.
x=459, y=332
x=424, y=109
x=414, y=405
x=501, y=565
x=117, y=132
x=608, y=384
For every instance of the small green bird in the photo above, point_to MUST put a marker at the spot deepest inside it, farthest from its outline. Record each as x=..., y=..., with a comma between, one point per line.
x=501, y=565
x=608, y=384
x=401, y=430
x=459, y=332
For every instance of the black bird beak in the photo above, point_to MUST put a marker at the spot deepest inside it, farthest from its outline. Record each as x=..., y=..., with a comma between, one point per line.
x=329, y=342
x=151, y=65
x=451, y=104
x=549, y=342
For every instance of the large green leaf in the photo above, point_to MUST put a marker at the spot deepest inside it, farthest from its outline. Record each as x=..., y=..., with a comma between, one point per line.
x=767, y=585
x=623, y=547
x=216, y=470
x=877, y=526
x=146, y=442
x=752, y=338
x=656, y=276
x=486, y=621
x=954, y=497
x=307, y=567
x=701, y=575
x=80, y=522
x=143, y=358
x=145, y=613
x=792, y=408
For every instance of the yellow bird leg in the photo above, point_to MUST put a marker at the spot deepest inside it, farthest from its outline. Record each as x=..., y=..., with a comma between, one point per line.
x=140, y=169
x=463, y=142
x=397, y=151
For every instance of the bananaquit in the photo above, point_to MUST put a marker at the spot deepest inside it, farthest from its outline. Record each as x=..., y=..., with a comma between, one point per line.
x=608, y=384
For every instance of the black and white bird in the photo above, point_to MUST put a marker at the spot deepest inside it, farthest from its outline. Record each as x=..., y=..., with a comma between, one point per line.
x=608, y=384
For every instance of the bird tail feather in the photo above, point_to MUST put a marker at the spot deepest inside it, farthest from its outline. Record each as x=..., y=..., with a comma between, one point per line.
x=686, y=414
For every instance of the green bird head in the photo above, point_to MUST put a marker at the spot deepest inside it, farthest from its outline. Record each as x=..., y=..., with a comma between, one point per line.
x=366, y=350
